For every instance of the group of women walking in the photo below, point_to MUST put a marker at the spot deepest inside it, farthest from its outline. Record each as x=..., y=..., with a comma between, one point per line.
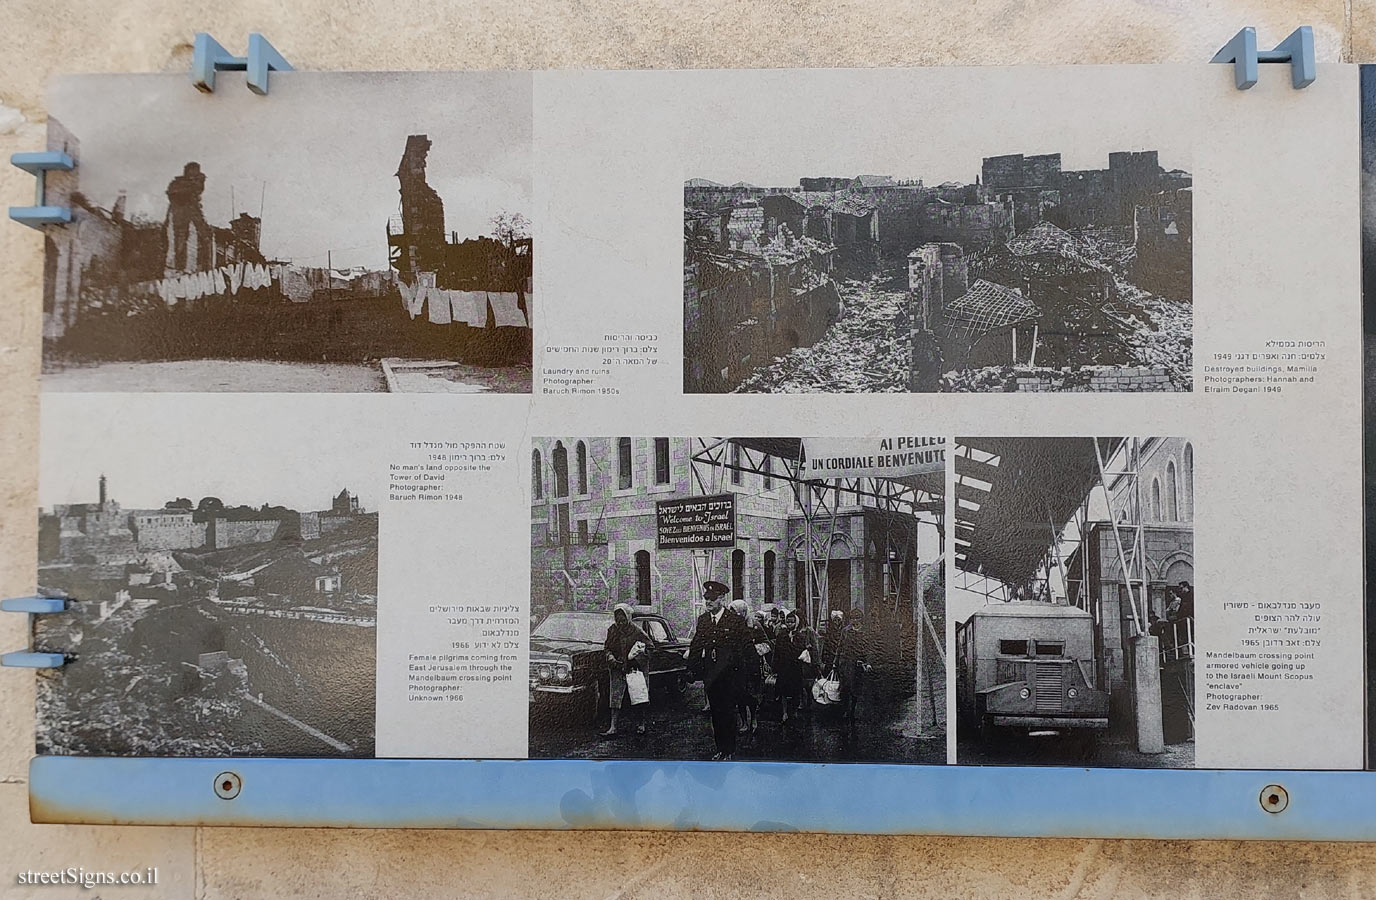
x=787, y=647
x=776, y=656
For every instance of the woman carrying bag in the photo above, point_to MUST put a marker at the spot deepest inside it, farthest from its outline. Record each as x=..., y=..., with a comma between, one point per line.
x=795, y=654
x=627, y=650
x=750, y=688
x=853, y=663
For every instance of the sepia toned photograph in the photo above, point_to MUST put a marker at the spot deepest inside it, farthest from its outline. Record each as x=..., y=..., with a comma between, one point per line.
x=1073, y=601
x=738, y=598
x=221, y=602
x=1063, y=270
x=357, y=233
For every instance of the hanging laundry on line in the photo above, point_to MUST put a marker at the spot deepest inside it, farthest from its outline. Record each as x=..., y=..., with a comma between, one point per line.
x=438, y=301
x=505, y=309
x=469, y=307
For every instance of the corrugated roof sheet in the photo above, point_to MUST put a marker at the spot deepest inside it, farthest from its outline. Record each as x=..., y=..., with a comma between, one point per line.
x=1047, y=238
x=987, y=306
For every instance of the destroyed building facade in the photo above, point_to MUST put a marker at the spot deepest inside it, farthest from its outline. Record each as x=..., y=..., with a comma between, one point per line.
x=1033, y=277
x=478, y=289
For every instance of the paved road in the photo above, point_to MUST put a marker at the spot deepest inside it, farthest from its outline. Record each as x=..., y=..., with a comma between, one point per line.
x=1055, y=750
x=211, y=375
x=680, y=729
x=410, y=376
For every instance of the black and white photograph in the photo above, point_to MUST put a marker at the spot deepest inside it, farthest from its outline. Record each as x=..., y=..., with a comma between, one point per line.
x=1065, y=269
x=761, y=598
x=1073, y=601
x=356, y=233
x=222, y=598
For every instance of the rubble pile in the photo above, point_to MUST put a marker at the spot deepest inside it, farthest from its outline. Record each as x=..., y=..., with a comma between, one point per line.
x=1164, y=337
x=1111, y=250
x=788, y=248
x=121, y=701
x=867, y=351
x=988, y=380
x=1096, y=328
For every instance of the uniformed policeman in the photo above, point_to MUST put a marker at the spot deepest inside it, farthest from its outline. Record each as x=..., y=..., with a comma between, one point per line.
x=719, y=639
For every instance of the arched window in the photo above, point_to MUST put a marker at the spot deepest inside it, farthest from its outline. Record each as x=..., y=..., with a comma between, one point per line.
x=767, y=467
x=561, y=470
x=581, y=459
x=623, y=463
x=735, y=463
x=642, y=578
x=769, y=576
x=1155, y=500
x=737, y=574
x=1172, y=493
x=537, y=477
x=1188, y=506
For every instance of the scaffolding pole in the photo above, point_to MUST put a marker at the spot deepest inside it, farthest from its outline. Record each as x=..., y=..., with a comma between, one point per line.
x=1137, y=616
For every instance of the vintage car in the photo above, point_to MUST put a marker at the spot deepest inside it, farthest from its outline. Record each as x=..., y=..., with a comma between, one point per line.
x=567, y=660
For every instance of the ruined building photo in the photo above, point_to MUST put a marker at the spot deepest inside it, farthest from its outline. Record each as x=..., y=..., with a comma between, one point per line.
x=479, y=288
x=199, y=262
x=1031, y=278
x=118, y=287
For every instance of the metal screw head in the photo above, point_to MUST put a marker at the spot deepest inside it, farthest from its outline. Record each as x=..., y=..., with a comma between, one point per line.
x=1274, y=798
x=227, y=785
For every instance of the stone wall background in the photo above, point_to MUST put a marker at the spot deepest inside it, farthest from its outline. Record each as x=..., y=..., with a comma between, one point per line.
x=42, y=39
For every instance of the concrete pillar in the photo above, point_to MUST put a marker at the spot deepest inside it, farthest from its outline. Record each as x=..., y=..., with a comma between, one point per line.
x=1146, y=693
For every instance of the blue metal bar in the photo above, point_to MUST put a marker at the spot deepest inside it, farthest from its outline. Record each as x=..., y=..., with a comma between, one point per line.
x=38, y=216
x=208, y=57
x=741, y=796
x=38, y=161
x=29, y=659
x=1298, y=50
x=263, y=58
x=1241, y=51
x=35, y=605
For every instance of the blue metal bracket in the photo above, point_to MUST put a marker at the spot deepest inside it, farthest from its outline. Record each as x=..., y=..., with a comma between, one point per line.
x=35, y=605
x=1297, y=50
x=31, y=659
x=38, y=165
x=208, y=57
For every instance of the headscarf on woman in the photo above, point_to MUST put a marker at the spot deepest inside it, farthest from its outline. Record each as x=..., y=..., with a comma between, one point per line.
x=623, y=634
